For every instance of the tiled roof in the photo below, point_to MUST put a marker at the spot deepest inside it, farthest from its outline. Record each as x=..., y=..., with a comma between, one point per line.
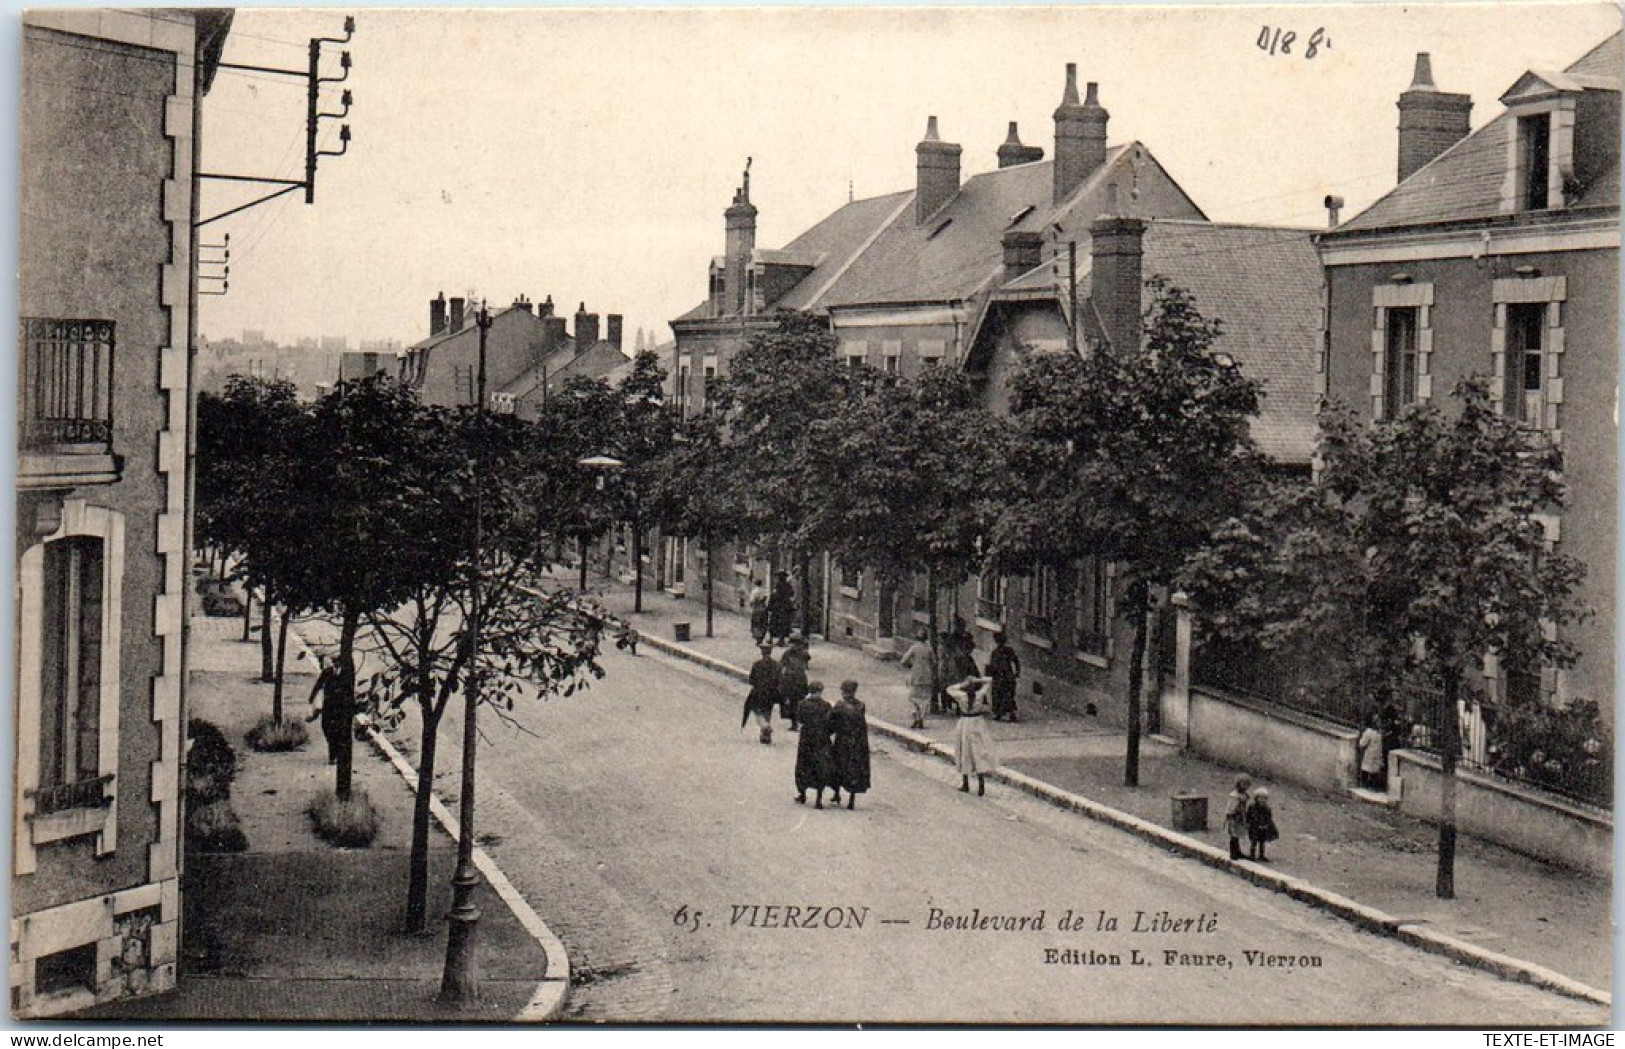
x=1263, y=284
x=832, y=242
x=1464, y=182
x=596, y=361
x=957, y=252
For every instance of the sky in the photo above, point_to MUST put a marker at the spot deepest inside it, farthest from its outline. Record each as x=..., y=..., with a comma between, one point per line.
x=589, y=154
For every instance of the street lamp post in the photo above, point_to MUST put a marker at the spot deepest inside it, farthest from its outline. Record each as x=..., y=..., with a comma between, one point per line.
x=459, y=982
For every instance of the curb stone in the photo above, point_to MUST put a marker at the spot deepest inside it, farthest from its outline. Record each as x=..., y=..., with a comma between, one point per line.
x=1368, y=918
x=552, y=992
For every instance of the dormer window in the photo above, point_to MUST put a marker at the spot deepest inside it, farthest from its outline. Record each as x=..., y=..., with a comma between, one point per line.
x=1535, y=161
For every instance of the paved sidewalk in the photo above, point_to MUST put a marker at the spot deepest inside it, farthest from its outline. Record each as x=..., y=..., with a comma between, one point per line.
x=295, y=929
x=1506, y=903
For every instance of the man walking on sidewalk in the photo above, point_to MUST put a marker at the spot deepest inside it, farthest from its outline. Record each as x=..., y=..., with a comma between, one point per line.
x=764, y=692
x=1004, y=667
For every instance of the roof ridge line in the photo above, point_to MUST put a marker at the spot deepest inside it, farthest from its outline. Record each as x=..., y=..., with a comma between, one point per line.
x=868, y=242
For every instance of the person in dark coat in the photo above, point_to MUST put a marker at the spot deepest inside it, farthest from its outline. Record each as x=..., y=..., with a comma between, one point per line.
x=793, y=678
x=335, y=726
x=764, y=692
x=1261, y=828
x=781, y=609
x=815, y=759
x=1004, y=667
x=958, y=655
x=849, y=738
x=758, y=612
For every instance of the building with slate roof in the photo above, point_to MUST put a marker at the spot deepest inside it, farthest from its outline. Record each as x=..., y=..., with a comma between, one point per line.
x=903, y=278
x=528, y=353
x=1497, y=255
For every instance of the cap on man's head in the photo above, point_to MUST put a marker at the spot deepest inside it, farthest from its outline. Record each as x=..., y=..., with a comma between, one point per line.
x=849, y=687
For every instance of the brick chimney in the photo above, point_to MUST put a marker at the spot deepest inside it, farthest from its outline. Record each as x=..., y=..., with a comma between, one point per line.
x=739, y=246
x=586, y=328
x=546, y=308
x=1023, y=252
x=553, y=334
x=1013, y=152
x=1080, y=135
x=1116, y=251
x=456, y=315
x=936, y=169
x=612, y=330
x=522, y=303
x=437, y=315
x=1430, y=120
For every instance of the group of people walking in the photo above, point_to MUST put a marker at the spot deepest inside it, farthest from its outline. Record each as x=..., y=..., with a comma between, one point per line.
x=832, y=746
x=956, y=664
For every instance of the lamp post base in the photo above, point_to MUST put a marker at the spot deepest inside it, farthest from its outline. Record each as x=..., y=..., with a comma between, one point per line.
x=459, y=983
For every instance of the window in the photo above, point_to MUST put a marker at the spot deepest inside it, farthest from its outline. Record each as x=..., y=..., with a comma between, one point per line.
x=1094, y=617
x=1525, y=363
x=1040, y=601
x=1535, y=155
x=990, y=597
x=706, y=393
x=850, y=580
x=930, y=362
x=70, y=698
x=890, y=363
x=1399, y=360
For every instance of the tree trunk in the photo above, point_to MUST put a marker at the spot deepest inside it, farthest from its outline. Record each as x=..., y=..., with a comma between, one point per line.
x=931, y=634
x=248, y=606
x=660, y=558
x=281, y=663
x=345, y=714
x=267, y=649
x=583, y=546
x=710, y=586
x=806, y=596
x=1449, y=751
x=637, y=565
x=417, y=885
x=1136, y=682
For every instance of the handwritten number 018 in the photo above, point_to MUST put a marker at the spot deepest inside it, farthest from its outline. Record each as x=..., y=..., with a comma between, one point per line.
x=1279, y=41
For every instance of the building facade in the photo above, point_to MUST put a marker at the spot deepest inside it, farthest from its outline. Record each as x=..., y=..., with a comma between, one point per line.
x=107, y=303
x=1497, y=255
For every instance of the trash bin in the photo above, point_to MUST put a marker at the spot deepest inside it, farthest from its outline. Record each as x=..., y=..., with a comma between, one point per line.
x=679, y=631
x=1190, y=811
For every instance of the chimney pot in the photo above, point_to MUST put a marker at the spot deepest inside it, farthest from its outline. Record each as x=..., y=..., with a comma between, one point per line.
x=1430, y=120
x=437, y=315
x=1080, y=136
x=1115, y=270
x=936, y=171
x=1012, y=152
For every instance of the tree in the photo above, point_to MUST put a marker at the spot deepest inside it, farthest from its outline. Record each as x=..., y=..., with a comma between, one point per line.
x=1133, y=455
x=692, y=492
x=357, y=490
x=245, y=493
x=1447, y=507
x=437, y=643
x=580, y=421
x=645, y=429
x=783, y=381
x=912, y=477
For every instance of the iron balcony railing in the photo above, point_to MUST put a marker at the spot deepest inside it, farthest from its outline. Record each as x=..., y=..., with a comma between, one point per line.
x=67, y=385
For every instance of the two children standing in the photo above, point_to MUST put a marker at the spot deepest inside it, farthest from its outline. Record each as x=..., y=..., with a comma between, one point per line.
x=1249, y=816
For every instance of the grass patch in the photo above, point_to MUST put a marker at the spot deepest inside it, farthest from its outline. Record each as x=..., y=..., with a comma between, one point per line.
x=351, y=824
x=272, y=735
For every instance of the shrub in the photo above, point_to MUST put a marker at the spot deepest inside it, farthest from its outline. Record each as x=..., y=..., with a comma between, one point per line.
x=273, y=735
x=211, y=763
x=350, y=824
x=213, y=827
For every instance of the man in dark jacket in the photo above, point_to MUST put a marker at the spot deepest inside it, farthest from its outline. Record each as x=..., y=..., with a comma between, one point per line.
x=781, y=609
x=793, y=677
x=764, y=692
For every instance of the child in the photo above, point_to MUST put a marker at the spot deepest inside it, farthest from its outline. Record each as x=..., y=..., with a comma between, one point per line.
x=1235, y=817
x=1260, y=824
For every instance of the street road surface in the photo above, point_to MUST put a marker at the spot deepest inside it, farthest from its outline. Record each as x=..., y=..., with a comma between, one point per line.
x=661, y=842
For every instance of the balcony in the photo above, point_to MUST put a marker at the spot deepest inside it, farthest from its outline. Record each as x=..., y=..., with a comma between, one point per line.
x=65, y=431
